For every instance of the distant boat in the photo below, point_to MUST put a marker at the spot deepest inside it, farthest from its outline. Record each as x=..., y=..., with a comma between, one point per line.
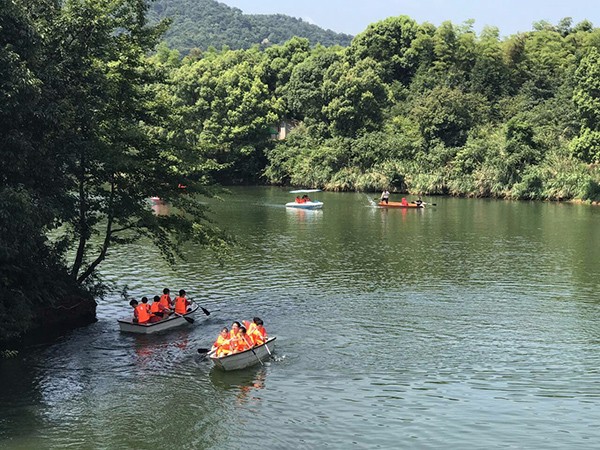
x=400, y=205
x=247, y=358
x=303, y=204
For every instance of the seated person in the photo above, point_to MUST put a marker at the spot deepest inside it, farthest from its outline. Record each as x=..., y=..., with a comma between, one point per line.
x=404, y=201
x=165, y=299
x=257, y=333
x=298, y=199
x=158, y=310
x=221, y=345
x=243, y=342
x=141, y=313
x=181, y=303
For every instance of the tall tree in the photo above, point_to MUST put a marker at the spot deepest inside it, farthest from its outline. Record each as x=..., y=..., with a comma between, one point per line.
x=587, y=99
x=114, y=135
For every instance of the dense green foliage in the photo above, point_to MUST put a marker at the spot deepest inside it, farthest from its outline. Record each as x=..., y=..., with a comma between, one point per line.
x=442, y=110
x=407, y=106
x=207, y=23
x=87, y=136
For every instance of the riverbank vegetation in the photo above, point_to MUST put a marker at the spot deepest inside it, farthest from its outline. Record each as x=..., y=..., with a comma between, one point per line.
x=407, y=106
x=95, y=118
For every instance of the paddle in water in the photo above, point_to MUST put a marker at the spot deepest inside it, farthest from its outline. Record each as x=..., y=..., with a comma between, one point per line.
x=189, y=319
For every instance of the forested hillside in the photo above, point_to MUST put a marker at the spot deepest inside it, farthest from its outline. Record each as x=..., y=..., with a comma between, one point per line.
x=409, y=106
x=205, y=23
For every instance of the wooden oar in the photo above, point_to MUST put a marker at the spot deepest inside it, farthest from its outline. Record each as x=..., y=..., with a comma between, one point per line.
x=267, y=347
x=259, y=360
x=204, y=352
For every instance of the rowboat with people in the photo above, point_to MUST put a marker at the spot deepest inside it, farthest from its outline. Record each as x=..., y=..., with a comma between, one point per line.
x=174, y=320
x=400, y=205
x=247, y=358
x=304, y=202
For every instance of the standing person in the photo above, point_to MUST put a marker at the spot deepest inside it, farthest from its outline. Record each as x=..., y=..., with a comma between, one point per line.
x=385, y=196
x=181, y=303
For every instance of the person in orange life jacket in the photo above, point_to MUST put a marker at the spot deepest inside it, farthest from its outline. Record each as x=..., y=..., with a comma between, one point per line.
x=244, y=342
x=158, y=310
x=249, y=326
x=306, y=198
x=298, y=199
x=258, y=333
x=222, y=345
x=235, y=329
x=404, y=202
x=234, y=334
x=165, y=299
x=181, y=303
x=141, y=313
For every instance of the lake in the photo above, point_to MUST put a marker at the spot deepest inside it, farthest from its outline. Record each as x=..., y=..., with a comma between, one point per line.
x=468, y=324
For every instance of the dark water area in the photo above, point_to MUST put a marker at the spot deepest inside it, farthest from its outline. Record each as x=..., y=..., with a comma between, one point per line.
x=469, y=324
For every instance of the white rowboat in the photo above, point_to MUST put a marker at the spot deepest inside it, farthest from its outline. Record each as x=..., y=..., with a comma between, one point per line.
x=305, y=205
x=174, y=320
x=247, y=358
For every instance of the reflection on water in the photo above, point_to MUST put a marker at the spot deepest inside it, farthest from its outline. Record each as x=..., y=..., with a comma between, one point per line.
x=299, y=215
x=245, y=383
x=472, y=324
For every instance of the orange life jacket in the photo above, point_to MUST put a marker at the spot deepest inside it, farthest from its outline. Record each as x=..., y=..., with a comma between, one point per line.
x=165, y=300
x=155, y=307
x=143, y=313
x=181, y=305
x=244, y=343
x=259, y=335
x=220, y=341
x=224, y=348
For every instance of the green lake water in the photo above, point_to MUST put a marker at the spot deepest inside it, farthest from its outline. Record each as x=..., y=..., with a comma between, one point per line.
x=469, y=324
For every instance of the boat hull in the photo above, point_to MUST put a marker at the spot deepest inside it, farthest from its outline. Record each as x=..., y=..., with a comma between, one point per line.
x=307, y=205
x=247, y=358
x=399, y=205
x=128, y=326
